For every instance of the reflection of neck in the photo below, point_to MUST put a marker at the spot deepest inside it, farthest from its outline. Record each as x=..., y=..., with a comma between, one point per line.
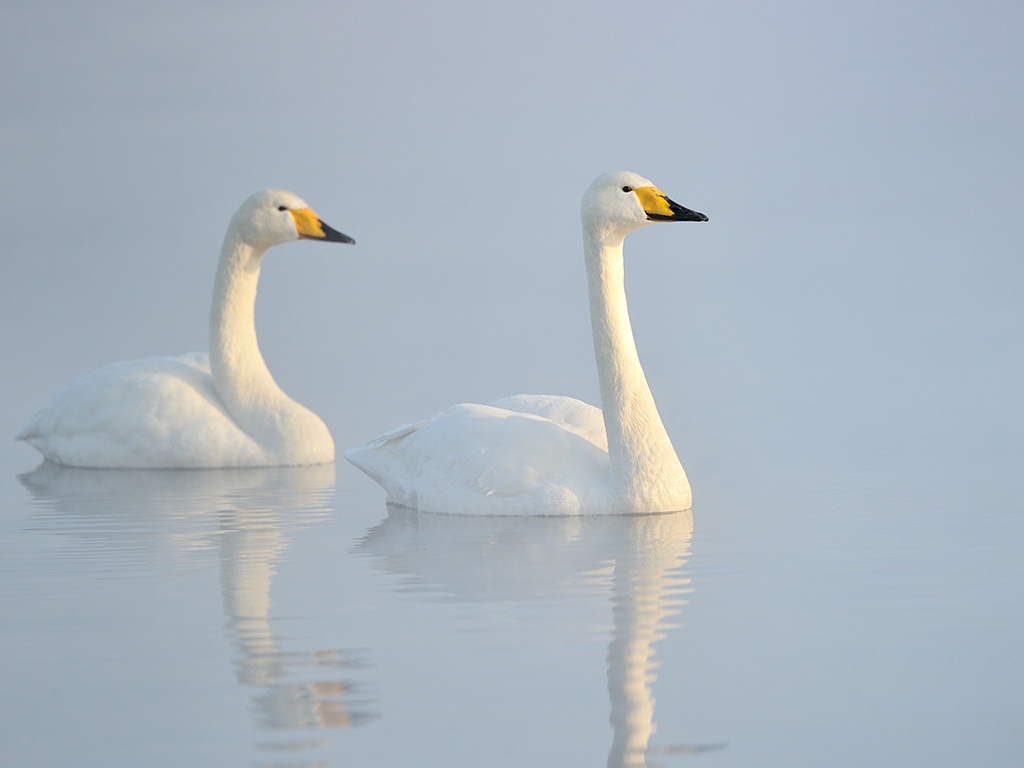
x=644, y=588
x=645, y=469
x=629, y=667
x=247, y=554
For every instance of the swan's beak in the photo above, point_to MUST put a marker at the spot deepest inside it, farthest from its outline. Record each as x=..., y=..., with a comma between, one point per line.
x=310, y=227
x=659, y=207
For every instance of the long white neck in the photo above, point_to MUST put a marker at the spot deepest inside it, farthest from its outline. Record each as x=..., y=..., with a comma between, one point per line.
x=645, y=471
x=258, y=406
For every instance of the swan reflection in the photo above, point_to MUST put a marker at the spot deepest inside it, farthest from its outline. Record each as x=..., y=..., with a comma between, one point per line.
x=246, y=516
x=638, y=559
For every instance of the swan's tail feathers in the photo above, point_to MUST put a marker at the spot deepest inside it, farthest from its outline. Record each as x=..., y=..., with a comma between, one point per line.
x=363, y=458
x=387, y=437
x=379, y=460
x=32, y=433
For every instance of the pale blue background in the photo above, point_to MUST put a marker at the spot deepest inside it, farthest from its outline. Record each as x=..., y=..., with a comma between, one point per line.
x=836, y=355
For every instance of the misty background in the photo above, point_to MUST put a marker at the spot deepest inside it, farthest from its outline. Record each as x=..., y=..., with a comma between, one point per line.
x=857, y=288
x=836, y=354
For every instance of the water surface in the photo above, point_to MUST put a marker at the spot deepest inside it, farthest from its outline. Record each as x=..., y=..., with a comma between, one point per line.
x=288, y=617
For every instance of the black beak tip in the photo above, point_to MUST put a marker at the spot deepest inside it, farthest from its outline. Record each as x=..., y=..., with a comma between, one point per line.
x=678, y=213
x=681, y=213
x=332, y=235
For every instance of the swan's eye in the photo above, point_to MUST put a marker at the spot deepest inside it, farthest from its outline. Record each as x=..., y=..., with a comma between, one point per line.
x=282, y=207
x=627, y=189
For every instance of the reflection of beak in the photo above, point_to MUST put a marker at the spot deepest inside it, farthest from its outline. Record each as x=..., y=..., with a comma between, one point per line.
x=659, y=207
x=310, y=227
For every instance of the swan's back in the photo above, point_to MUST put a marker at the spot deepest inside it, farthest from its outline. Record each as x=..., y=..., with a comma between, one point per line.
x=506, y=458
x=147, y=413
x=568, y=412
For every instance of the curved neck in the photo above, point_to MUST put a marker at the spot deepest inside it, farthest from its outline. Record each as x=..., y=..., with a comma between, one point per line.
x=240, y=375
x=644, y=465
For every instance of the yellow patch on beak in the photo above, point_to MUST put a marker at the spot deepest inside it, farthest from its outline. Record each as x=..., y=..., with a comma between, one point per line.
x=308, y=223
x=654, y=201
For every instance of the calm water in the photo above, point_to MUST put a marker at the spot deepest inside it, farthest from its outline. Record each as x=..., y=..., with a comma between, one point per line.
x=288, y=618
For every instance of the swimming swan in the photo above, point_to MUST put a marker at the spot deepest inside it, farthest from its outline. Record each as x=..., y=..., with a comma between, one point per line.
x=543, y=455
x=218, y=410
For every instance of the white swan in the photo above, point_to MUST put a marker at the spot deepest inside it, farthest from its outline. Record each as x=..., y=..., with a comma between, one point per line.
x=543, y=455
x=195, y=411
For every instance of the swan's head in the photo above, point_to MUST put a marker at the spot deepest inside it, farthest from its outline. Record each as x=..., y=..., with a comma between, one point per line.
x=621, y=201
x=274, y=216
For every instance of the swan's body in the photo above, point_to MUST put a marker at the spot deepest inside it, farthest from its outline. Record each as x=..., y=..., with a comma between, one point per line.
x=543, y=455
x=197, y=411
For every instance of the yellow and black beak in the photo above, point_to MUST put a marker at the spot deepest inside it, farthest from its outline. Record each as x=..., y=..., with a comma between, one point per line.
x=310, y=227
x=659, y=207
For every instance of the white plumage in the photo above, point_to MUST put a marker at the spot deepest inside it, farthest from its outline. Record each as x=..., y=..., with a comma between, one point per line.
x=544, y=455
x=196, y=411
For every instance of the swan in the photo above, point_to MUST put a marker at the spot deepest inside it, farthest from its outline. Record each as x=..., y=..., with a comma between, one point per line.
x=546, y=455
x=198, y=411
